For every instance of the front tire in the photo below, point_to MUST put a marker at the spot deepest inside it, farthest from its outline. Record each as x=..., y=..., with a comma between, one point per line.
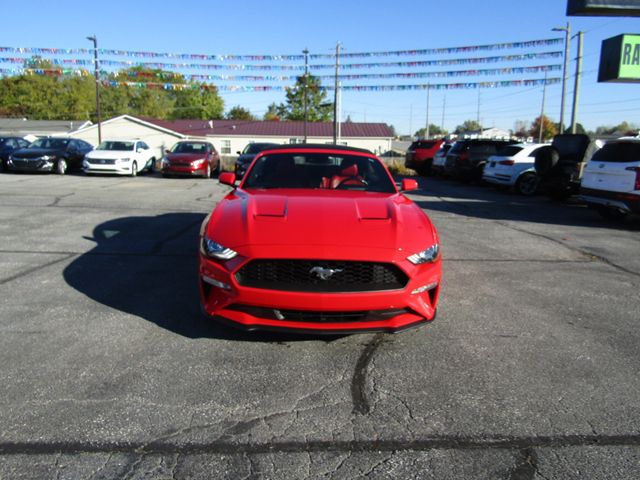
x=207, y=171
x=527, y=184
x=61, y=166
x=134, y=169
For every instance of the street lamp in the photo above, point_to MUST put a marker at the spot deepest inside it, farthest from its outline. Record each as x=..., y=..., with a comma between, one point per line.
x=567, y=32
x=306, y=90
x=95, y=64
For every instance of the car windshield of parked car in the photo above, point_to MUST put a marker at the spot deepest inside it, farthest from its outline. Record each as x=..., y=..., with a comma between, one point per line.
x=112, y=145
x=59, y=143
x=254, y=148
x=618, y=152
x=319, y=170
x=189, y=147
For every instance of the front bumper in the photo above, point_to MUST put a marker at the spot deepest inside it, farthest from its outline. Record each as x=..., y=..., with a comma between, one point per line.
x=30, y=165
x=107, y=168
x=186, y=170
x=249, y=308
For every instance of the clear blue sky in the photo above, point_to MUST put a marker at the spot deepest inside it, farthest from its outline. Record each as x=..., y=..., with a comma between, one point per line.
x=287, y=27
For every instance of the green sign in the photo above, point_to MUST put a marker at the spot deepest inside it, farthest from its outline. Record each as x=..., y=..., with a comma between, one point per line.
x=620, y=59
x=630, y=57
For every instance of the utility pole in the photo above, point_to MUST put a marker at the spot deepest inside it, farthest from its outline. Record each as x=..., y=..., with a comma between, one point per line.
x=576, y=88
x=426, y=133
x=565, y=71
x=97, y=73
x=306, y=91
x=544, y=94
x=478, y=114
x=335, y=97
x=444, y=105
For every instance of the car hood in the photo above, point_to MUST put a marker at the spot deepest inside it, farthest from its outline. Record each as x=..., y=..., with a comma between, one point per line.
x=36, y=152
x=184, y=157
x=110, y=154
x=322, y=218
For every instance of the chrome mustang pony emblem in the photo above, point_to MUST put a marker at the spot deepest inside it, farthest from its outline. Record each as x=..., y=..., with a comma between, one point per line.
x=324, y=273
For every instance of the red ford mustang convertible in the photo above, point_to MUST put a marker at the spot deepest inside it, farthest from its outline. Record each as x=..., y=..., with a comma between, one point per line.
x=317, y=238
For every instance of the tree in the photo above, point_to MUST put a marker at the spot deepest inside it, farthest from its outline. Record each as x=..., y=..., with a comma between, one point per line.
x=468, y=126
x=272, y=115
x=201, y=101
x=434, y=131
x=548, y=128
x=318, y=110
x=240, y=113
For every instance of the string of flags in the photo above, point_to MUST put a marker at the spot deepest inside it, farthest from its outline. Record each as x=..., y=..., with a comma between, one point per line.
x=259, y=78
x=346, y=66
x=286, y=57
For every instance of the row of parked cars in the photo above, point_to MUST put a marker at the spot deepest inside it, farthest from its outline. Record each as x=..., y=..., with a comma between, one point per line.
x=117, y=156
x=606, y=176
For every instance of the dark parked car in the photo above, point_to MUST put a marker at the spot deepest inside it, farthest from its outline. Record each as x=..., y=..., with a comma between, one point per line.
x=7, y=146
x=467, y=158
x=248, y=154
x=419, y=156
x=560, y=165
x=50, y=154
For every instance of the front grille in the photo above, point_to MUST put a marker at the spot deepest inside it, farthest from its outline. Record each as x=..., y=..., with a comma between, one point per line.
x=319, y=316
x=101, y=161
x=304, y=276
x=26, y=163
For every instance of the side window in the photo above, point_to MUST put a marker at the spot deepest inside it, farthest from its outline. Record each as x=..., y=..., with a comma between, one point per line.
x=226, y=147
x=23, y=143
x=73, y=145
x=11, y=143
x=144, y=145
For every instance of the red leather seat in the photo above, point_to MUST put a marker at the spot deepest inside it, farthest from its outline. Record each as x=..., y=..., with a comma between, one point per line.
x=347, y=176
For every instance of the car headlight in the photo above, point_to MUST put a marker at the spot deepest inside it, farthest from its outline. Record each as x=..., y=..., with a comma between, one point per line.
x=425, y=256
x=197, y=162
x=122, y=160
x=46, y=158
x=214, y=250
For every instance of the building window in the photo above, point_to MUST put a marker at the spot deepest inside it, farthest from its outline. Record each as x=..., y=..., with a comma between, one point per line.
x=225, y=147
x=293, y=141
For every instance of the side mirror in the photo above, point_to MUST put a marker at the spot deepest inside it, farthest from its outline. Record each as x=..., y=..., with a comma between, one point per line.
x=228, y=178
x=239, y=152
x=409, y=184
x=167, y=151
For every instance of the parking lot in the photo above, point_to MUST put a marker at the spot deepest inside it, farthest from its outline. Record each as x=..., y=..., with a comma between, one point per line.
x=108, y=369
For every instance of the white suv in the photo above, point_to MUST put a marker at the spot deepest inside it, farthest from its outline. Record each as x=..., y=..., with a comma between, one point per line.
x=611, y=179
x=124, y=157
x=514, y=166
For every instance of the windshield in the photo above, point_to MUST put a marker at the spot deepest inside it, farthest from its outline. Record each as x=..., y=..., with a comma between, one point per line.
x=257, y=147
x=189, y=147
x=58, y=143
x=319, y=170
x=111, y=145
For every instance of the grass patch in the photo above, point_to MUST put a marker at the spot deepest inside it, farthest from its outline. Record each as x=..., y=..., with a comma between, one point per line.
x=398, y=168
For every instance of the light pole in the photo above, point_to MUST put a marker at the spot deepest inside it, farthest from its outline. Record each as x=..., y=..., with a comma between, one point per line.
x=567, y=35
x=576, y=87
x=335, y=97
x=96, y=66
x=306, y=90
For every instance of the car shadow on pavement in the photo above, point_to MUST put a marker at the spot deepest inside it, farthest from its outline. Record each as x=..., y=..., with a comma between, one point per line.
x=486, y=202
x=147, y=266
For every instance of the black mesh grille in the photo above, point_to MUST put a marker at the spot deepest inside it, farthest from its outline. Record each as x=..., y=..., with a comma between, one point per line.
x=305, y=276
x=101, y=161
x=319, y=316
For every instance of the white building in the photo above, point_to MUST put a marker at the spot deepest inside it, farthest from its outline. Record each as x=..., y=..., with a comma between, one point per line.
x=231, y=136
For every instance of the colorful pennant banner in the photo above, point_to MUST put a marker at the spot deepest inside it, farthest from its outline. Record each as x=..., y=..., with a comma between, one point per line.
x=287, y=57
x=346, y=66
x=261, y=78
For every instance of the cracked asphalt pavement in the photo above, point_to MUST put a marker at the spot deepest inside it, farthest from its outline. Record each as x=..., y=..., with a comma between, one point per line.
x=108, y=369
